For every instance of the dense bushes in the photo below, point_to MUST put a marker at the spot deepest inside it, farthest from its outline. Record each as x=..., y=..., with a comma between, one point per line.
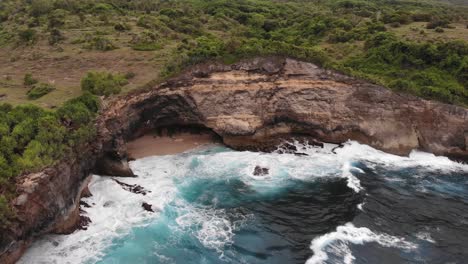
x=146, y=41
x=102, y=83
x=32, y=137
x=436, y=70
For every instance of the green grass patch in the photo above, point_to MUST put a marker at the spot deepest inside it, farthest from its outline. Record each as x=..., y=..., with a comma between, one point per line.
x=39, y=90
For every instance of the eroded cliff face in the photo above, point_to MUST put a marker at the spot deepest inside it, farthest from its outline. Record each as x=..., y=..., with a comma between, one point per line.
x=253, y=104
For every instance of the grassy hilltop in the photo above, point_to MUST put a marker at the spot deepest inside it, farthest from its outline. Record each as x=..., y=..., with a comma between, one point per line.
x=59, y=54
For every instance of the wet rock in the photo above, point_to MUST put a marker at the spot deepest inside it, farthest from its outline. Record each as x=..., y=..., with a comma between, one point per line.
x=261, y=171
x=337, y=147
x=134, y=188
x=84, y=222
x=85, y=204
x=287, y=148
x=316, y=143
x=148, y=207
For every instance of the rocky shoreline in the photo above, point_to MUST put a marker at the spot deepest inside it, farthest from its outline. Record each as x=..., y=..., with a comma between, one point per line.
x=254, y=104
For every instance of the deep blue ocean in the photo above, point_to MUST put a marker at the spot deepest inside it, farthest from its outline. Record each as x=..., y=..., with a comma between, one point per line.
x=352, y=204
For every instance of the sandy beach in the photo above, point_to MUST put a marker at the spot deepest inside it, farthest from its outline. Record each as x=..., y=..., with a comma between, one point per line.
x=152, y=145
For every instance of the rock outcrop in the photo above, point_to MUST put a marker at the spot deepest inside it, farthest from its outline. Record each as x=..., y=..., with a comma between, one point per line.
x=253, y=105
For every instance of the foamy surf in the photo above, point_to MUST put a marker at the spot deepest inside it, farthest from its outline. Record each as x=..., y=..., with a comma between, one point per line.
x=209, y=204
x=337, y=243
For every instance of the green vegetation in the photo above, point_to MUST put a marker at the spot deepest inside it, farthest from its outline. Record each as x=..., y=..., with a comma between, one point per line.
x=102, y=83
x=39, y=90
x=100, y=43
x=27, y=36
x=29, y=80
x=32, y=138
x=182, y=33
x=411, y=46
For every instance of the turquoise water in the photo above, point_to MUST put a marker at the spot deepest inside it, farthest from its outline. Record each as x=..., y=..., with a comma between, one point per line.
x=357, y=205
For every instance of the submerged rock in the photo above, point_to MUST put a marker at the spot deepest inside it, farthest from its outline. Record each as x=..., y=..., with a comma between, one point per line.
x=260, y=171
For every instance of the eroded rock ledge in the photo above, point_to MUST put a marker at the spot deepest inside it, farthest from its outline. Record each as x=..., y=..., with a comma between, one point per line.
x=250, y=105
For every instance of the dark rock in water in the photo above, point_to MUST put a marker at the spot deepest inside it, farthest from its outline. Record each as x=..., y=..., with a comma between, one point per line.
x=148, y=207
x=337, y=147
x=287, y=148
x=316, y=143
x=84, y=222
x=260, y=171
x=135, y=188
x=84, y=204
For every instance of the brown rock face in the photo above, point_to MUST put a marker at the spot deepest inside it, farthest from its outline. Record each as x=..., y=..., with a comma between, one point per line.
x=251, y=105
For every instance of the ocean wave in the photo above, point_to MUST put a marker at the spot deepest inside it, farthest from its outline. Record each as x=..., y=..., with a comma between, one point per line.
x=115, y=211
x=337, y=243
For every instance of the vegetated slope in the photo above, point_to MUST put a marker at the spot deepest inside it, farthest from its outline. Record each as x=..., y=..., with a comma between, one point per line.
x=418, y=47
x=59, y=41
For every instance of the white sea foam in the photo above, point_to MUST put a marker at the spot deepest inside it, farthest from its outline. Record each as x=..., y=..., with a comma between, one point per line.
x=214, y=228
x=115, y=211
x=426, y=236
x=337, y=243
x=361, y=206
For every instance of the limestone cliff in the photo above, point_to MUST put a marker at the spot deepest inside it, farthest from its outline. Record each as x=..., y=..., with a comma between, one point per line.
x=251, y=105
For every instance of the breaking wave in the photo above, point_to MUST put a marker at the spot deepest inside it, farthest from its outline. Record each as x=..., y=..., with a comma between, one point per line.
x=355, y=203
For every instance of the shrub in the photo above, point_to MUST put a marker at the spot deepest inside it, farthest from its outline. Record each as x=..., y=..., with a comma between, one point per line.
x=29, y=80
x=434, y=23
x=439, y=30
x=145, y=41
x=40, y=7
x=5, y=212
x=100, y=43
x=101, y=8
x=27, y=36
x=102, y=83
x=130, y=75
x=149, y=22
x=39, y=90
x=55, y=36
x=121, y=27
x=57, y=18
